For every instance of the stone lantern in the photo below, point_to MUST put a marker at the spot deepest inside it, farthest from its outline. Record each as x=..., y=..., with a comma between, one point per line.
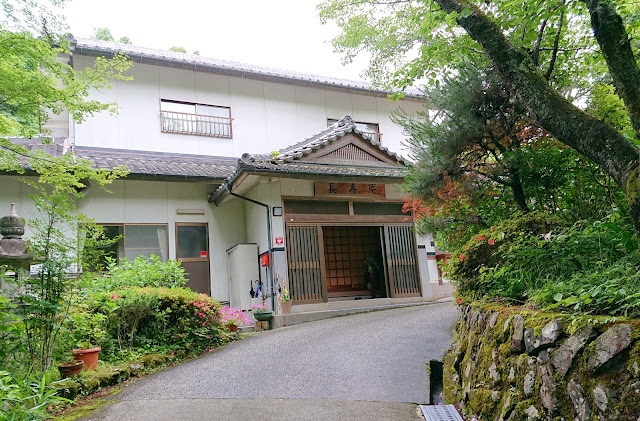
x=13, y=253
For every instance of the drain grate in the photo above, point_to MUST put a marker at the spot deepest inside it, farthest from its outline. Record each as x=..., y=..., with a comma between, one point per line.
x=440, y=413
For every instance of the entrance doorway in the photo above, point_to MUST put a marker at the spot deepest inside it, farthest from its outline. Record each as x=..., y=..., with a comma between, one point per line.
x=354, y=261
x=192, y=249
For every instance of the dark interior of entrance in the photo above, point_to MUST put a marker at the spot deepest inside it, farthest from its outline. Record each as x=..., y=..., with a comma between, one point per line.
x=354, y=262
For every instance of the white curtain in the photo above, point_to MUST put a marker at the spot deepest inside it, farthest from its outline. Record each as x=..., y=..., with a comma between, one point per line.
x=163, y=242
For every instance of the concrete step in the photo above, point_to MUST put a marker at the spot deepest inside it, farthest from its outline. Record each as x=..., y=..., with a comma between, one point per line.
x=310, y=316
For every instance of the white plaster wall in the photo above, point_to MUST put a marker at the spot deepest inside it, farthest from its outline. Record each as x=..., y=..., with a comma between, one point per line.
x=266, y=116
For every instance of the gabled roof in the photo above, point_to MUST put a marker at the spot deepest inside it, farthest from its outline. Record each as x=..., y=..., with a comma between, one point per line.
x=95, y=47
x=329, y=135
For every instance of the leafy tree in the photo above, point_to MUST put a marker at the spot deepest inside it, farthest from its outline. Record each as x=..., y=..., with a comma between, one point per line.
x=178, y=49
x=103, y=34
x=546, y=52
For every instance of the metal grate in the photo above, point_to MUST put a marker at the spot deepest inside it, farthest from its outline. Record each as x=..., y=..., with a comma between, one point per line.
x=440, y=413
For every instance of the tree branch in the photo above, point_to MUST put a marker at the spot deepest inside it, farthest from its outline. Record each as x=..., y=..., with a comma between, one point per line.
x=556, y=41
x=535, y=54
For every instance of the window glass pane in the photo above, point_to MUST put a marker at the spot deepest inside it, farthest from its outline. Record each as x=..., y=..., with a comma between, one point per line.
x=177, y=107
x=316, y=206
x=145, y=240
x=192, y=240
x=213, y=111
x=364, y=208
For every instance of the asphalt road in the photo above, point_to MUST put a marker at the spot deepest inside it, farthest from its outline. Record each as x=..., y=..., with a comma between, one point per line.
x=359, y=367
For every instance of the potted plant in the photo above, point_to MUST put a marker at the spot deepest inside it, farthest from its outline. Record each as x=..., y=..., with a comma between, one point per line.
x=284, y=300
x=233, y=318
x=372, y=269
x=87, y=330
x=261, y=312
x=70, y=368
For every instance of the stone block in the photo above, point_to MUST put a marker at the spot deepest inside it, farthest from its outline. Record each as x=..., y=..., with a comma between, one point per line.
x=580, y=404
x=609, y=344
x=517, y=344
x=562, y=358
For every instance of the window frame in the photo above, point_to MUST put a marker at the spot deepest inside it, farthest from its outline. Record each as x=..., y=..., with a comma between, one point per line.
x=199, y=119
x=124, y=238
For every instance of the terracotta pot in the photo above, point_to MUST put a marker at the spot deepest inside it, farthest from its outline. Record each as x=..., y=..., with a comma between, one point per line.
x=88, y=356
x=70, y=368
x=233, y=328
x=285, y=306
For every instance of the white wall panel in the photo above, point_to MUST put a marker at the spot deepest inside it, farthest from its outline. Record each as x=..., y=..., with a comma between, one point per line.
x=338, y=104
x=311, y=110
x=280, y=111
x=247, y=107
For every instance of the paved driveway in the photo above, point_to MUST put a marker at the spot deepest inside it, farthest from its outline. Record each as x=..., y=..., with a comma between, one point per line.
x=364, y=366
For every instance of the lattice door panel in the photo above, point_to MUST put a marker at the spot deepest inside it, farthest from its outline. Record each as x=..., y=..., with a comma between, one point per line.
x=402, y=262
x=303, y=259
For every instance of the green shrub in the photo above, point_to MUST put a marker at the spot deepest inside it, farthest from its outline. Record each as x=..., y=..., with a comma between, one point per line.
x=587, y=267
x=144, y=320
x=140, y=272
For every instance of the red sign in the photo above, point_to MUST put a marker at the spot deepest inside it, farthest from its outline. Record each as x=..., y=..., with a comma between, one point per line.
x=279, y=241
x=203, y=254
x=264, y=260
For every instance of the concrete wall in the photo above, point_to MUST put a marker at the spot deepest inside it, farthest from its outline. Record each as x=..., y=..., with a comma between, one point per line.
x=153, y=202
x=266, y=116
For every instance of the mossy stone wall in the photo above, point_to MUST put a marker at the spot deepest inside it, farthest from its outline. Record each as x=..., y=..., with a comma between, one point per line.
x=511, y=364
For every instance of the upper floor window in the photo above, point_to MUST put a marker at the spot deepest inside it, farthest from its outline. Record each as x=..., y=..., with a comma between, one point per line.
x=370, y=128
x=196, y=119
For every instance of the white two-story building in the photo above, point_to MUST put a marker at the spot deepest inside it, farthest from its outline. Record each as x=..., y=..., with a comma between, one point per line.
x=251, y=175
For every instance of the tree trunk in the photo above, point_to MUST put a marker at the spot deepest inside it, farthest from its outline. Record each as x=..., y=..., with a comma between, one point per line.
x=615, y=46
x=573, y=127
x=518, y=191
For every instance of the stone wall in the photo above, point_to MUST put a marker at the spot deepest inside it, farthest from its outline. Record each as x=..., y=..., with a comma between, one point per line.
x=506, y=364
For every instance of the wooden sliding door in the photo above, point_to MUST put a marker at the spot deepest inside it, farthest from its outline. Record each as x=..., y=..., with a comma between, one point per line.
x=305, y=259
x=402, y=262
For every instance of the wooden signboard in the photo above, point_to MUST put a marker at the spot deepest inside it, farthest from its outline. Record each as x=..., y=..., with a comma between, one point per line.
x=325, y=189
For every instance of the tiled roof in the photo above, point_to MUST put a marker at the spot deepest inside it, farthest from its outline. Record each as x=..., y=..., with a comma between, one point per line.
x=312, y=168
x=206, y=64
x=51, y=146
x=330, y=134
x=159, y=163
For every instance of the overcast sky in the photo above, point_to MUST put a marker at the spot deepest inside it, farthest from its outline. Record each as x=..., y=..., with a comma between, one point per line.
x=284, y=34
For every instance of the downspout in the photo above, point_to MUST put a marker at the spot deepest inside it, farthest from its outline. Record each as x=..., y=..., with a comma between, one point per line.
x=72, y=123
x=269, y=245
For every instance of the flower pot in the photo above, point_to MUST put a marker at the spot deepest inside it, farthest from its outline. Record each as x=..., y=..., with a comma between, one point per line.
x=88, y=356
x=233, y=328
x=263, y=317
x=285, y=306
x=70, y=368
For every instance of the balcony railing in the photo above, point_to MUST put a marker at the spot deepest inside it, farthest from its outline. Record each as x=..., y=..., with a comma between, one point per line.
x=195, y=124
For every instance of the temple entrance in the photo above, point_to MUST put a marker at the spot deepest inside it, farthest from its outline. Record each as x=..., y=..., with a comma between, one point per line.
x=354, y=261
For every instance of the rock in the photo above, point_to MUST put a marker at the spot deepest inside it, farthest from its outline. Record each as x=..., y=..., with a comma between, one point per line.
x=153, y=360
x=505, y=327
x=493, y=320
x=609, y=344
x=532, y=413
x=136, y=368
x=482, y=319
x=580, y=405
x=547, y=338
x=551, y=332
x=508, y=407
x=495, y=396
x=635, y=367
x=529, y=337
x=493, y=372
x=543, y=357
x=529, y=382
x=563, y=357
x=547, y=388
x=600, y=397
x=512, y=374
x=518, y=334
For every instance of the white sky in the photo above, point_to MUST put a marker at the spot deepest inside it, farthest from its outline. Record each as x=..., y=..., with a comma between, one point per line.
x=283, y=34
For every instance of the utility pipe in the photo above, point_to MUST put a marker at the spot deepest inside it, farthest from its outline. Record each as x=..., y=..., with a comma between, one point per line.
x=269, y=245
